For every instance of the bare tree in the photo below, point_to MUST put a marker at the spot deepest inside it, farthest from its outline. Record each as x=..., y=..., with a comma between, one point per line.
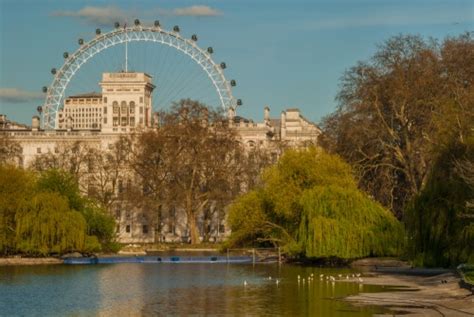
x=397, y=109
x=10, y=150
x=188, y=162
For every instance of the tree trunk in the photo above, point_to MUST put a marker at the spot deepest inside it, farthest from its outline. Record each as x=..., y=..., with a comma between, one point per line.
x=193, y=229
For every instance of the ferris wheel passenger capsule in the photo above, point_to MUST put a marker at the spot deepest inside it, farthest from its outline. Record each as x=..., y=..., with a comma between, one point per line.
x=137, y=22
x=53, y=71
x=176, y=29
x=239, y=102
x=80, y=41
x=233, y=83
x=210, y=50
x=66, y=55
x=157, y=23
x=45, y=89
x=223, y=65
x=194, y=37
x=39, y=109
x=97, y=31
x=117, y=25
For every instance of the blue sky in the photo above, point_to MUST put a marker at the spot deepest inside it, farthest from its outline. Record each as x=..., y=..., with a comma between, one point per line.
x=282, y=53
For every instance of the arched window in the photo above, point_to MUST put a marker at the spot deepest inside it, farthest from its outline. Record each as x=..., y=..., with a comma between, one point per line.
x=115, y=107
x=132, y=107
x=123, y=107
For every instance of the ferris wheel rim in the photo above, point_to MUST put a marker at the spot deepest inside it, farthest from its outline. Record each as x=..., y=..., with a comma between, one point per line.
x=87, y=50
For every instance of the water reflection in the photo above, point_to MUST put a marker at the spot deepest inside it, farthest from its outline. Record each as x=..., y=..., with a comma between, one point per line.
x=182, y=289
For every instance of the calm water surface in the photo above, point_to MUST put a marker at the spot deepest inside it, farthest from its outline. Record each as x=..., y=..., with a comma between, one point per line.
x=175, y=289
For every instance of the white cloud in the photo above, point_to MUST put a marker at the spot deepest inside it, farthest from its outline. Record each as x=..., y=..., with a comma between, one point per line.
x=198, y=11
x=15, y=95
x=96, y=15
x=107, y=16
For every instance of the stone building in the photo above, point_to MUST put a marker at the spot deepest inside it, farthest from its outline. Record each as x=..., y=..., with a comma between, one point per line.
x=98, y=119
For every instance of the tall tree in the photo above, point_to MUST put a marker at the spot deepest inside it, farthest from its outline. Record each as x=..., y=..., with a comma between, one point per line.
x=396, y=109
x=188, y=162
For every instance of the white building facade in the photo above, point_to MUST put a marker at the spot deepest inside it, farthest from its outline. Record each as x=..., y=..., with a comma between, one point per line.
x=97, y=120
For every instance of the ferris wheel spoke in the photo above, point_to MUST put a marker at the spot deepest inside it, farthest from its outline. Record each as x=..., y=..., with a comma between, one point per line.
x=140, y=36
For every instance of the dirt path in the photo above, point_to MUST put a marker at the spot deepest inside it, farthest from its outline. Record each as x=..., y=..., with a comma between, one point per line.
x=29, y=261
x=438, y=295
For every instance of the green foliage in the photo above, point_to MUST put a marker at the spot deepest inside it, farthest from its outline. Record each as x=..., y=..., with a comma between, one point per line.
x=45, y=224
x=440, y=222
x=15, y=188
x=65, y=184
x=344, y=223
x=99, y=223
x=310, y=205
x=45, y=214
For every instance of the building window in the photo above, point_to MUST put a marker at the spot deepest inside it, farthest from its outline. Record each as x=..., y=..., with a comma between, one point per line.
x=38, y=150
x=105, y=120
x=124, y=121
x=132, y=107
x=141, y=99
x=115, y=107
x=132, y=121
x=116, y=121
x=105, y=99
x=105, y=110
x=56, y=150
x=120, y=186
x=127, y=229
x=117, y=213
x=124, y=107
x=141, y=110
x=145, y=229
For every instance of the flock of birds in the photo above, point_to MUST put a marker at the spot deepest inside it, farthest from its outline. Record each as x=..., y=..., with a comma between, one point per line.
x=328, y=278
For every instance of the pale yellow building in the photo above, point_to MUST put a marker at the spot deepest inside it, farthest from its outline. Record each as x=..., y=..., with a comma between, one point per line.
x=125, y=105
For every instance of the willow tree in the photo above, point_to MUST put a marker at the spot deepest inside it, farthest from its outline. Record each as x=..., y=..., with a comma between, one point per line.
x=309, y=204
x=16, y=187
x=45, y=224
x=440, y=220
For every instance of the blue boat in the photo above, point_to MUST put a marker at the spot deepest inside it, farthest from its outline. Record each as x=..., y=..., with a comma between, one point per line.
x=158, y=259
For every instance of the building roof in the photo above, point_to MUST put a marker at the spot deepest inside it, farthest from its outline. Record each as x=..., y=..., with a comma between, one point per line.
x=92, y=94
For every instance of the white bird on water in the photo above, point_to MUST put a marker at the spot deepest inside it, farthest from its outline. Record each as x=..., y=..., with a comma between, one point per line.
x=245, y=283
x=360, y=280
x=321, y=275
x=270, y=278
x=277, y=282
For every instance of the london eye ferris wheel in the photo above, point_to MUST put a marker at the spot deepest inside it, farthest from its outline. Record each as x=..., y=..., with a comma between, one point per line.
x=179, y=67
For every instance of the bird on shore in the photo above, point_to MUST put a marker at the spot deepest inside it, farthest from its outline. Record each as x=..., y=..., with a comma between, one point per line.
x=245, y=283
x=270, y=278
x=347, y=277
x=277, y=282
x=358, y=274
x=360, y=280
x=321, y=275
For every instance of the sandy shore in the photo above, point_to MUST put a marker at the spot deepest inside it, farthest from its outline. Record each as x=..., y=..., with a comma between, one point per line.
x=418, y=295
x=29, y=261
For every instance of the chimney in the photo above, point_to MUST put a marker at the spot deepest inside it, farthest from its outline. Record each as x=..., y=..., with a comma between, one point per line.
x=231, y=115
x=35, y=123
x=266, y=114
x=283, y=125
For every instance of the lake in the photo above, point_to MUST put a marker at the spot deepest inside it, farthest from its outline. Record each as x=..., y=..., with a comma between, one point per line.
x=132, y=289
